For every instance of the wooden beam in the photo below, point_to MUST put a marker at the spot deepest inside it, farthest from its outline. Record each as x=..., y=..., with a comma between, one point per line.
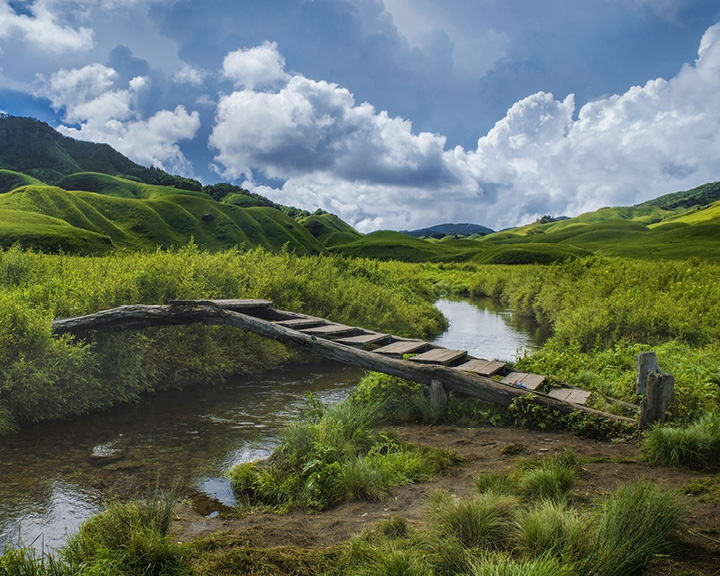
x=461, y=383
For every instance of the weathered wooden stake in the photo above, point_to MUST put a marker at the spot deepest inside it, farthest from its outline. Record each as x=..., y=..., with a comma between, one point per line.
x=438, y=397
x=647, y=363
x=658, y=395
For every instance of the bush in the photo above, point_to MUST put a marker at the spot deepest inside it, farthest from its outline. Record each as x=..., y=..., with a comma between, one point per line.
x=633, y=526
x=696, y=446
x=483, y=521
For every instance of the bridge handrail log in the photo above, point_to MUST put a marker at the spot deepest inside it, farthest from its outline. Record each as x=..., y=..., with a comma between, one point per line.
x=137, y=316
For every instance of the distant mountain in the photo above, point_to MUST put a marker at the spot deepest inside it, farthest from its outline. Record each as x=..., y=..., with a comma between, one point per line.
x=442, y=230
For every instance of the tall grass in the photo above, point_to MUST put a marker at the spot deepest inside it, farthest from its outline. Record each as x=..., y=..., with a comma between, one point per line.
x=44, y=377
x=549, y=527
x=505, y=565
x=333, y=454
x=128, y=538
x=633, y=526
x=603, y=312
x=695, y=446
x=483, y=521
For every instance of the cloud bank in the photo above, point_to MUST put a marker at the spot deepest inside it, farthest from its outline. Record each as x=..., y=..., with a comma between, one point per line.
x=544, y=156
x=191, y=84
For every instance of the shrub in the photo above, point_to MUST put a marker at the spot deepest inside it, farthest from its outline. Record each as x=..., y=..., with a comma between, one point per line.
x=482, y=521
x=633, y=525
x=695, y=446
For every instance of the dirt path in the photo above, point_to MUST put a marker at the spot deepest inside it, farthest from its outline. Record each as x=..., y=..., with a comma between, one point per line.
x=607, y=464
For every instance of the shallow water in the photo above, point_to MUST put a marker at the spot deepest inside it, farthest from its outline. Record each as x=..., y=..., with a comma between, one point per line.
x=55, y=475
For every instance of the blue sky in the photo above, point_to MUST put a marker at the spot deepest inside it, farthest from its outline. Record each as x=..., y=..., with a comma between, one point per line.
x=392, y=114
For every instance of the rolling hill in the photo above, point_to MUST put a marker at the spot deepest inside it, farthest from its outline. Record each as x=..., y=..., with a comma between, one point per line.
x=60, y=194
x=679, y=225
x=57, y=193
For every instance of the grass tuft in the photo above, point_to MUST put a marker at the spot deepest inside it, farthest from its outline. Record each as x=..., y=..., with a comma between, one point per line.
x=482, y=521
x=697, y=446
x=633, y=526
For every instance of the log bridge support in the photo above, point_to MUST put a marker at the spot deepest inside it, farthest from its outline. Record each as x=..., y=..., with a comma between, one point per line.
x=431, y=366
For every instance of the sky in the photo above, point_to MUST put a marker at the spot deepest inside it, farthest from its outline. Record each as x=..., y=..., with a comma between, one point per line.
x=394, y=114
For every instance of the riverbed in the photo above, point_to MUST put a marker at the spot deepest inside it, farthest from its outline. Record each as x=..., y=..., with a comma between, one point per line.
x=56, y=475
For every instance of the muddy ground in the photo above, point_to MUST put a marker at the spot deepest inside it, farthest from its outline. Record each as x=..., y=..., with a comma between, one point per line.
x=606, y=465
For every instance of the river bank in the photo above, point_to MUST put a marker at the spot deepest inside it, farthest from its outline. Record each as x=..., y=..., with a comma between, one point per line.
x=269, y=538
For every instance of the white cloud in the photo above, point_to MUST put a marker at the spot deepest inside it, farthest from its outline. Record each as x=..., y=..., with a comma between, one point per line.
x=39, y=26
x=106, y=113
x=374, y=171
x=255, y=67
x=151, y=142
x=189, y=75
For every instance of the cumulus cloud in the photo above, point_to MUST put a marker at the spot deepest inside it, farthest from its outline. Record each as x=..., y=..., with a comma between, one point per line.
x=544, y=156
x=189, y=75
x=261, y=66
x=105, y=112
x=37, y=23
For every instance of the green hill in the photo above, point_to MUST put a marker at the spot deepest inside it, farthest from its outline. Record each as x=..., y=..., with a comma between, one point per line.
x=34, y=148
x=328, y=229
x=134, y=216
x=57, y=193
x=679, y=225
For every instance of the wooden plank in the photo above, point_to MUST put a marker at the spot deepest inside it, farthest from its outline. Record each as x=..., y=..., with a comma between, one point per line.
x=524, y=380
x=364, y=339
x=560, y=393
x=442, y=356
x=329, y=330
x=235, y=304
x=574, y=395
x=482, y=367
x=297, y=323
x=578, y=396
x=402, y=347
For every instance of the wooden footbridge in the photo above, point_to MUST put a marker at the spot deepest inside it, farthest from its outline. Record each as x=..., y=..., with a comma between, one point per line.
x=413, y=359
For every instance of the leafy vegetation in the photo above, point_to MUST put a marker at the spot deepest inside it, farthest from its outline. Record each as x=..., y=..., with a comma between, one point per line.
x=602, y=313
x=44, y=377
x=333, y=454
x=695, y=446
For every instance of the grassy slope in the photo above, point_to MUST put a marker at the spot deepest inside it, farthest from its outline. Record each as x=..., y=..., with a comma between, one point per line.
x=330, y=230
x=123, y=213
x=680, y=225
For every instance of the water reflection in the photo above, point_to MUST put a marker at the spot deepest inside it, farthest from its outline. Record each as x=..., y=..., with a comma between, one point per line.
x=487, y=330
x=56, y=475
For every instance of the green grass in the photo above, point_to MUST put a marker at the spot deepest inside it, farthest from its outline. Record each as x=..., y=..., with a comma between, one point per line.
x=334, y=454
x=632, y=527
x=124, y=214
x=43, y=377
x=694, y=446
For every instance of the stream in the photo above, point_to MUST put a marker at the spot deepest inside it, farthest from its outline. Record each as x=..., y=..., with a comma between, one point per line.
x=57, y=474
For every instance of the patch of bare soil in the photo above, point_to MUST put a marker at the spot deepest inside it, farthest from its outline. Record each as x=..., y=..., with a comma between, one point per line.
x=607, y=465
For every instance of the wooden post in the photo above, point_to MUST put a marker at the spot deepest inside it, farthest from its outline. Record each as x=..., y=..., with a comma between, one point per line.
x=647, y=363
x=658, y=395
x=438, y=397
